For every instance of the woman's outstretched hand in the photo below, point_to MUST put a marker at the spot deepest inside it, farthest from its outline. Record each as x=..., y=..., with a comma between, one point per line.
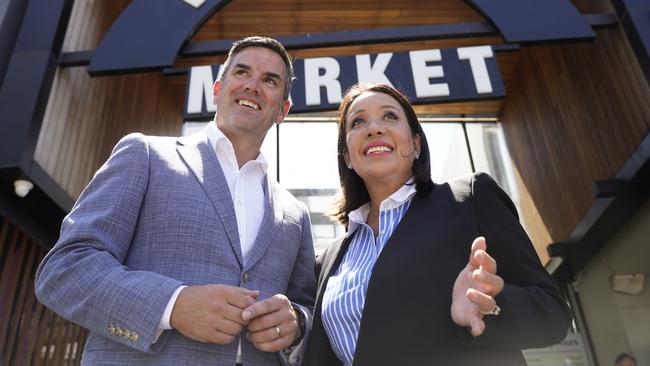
x=475, y=289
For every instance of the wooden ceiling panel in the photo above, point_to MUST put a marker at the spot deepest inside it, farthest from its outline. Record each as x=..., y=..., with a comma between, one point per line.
x=241, y=18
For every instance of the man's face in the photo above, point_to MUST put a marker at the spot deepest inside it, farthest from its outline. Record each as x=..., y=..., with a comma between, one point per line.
x=251, y=96
x=627, y=362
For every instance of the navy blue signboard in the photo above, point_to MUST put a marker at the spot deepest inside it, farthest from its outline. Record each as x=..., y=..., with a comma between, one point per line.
x=149, y=34
x=425, y=76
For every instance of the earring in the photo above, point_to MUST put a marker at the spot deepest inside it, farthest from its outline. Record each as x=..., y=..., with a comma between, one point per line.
x=417, y=155
x=349, y=166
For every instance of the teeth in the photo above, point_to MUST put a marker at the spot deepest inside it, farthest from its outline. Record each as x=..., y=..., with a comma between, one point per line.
x=248, y=103
x=375, y=149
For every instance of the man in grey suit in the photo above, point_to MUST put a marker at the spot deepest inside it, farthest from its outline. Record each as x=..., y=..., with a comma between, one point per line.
x=181, y=251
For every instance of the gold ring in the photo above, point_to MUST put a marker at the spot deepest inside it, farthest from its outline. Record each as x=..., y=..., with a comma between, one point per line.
x=496, y=310
x=277, y=329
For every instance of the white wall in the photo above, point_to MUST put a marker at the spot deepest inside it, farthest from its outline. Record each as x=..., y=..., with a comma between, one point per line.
x=619, y=322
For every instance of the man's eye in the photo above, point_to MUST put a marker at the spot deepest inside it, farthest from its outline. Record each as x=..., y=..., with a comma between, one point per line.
x=240, y=72
x=271, y=81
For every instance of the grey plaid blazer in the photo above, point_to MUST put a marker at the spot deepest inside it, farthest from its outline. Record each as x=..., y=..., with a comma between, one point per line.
x=158, y=214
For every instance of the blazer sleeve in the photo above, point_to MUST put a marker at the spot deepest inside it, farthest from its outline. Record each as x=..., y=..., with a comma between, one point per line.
x=533, y=312
x=83, y=277
x=302, y=290
x=302, y=284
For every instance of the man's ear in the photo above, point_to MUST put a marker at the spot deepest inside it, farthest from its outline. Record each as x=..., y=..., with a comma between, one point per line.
x=216, y=88
x=286, y=106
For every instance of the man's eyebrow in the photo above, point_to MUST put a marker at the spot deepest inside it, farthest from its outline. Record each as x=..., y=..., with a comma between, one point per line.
x=274, y=75
x=242, y=66
x=271, y=74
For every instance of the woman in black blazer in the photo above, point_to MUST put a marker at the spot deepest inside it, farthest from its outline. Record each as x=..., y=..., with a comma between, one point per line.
x=415, y=281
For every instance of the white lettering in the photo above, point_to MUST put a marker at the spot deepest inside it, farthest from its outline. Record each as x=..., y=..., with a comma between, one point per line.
x=476, y=56
x=200, y=89
x=314, y=81
x=367, y=72
x=422, y=73
x=195, y=3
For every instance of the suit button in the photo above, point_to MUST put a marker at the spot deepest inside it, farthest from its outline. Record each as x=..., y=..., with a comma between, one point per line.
x=244, y=277
x=111, y=329
x=118, y=331
x=134, y=336
x=126, y=334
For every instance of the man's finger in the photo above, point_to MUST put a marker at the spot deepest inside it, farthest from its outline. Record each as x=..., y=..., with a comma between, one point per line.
x=272, y=333
x=276, y=345
x=228, y=327
x=260, y=308
x=241, y=297
x=266, y=321
x=220, y=338
x=232, y=313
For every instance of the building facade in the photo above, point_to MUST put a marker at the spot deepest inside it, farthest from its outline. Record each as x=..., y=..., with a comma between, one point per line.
x=558, y=110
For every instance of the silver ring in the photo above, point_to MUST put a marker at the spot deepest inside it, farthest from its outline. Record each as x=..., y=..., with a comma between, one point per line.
x=496, y=310
x=277, y=329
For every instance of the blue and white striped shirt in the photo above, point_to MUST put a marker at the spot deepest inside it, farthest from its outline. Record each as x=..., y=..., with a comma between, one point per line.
x=345, y=294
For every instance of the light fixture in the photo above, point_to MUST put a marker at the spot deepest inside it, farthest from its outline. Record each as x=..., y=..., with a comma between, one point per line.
x=631, y=284
x=22, y=187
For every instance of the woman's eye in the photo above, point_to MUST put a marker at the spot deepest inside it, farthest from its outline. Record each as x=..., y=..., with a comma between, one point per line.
x=355, y=122
x=390, y=115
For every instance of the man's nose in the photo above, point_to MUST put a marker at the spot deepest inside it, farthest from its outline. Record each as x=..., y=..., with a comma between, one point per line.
x=253, y=85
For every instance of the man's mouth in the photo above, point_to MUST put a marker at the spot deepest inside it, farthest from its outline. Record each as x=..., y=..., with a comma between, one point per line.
x=248, y=104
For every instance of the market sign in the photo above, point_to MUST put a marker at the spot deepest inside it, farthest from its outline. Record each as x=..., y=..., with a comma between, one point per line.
x=425, y=76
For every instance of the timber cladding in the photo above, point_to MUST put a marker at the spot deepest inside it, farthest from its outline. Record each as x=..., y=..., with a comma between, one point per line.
x=30, y=333
x=574, y=114
x=86, y=116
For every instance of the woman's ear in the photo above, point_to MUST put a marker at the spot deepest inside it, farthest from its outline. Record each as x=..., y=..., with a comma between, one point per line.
x=417, y=144
x=346, y=157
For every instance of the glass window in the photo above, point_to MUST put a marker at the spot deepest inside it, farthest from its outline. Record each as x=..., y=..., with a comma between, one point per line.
x=302, y=157
x=490, y=154
x=449, y=156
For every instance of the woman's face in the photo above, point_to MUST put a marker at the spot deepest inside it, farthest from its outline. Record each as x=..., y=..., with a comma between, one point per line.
x=380, y=146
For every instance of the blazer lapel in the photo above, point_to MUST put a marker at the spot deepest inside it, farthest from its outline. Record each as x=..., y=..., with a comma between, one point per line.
x=199, y=155
x=270, y=226
x=331, y=262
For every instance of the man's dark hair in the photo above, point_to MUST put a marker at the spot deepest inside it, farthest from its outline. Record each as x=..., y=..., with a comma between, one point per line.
x=622, y=357
x=268, y=43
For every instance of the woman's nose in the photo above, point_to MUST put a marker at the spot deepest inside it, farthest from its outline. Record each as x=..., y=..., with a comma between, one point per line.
x=375, y=127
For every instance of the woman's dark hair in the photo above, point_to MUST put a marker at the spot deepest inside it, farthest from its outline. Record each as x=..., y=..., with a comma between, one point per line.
x=353, y=189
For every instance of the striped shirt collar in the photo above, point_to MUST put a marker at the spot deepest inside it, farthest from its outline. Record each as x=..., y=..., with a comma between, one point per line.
x=398, y=198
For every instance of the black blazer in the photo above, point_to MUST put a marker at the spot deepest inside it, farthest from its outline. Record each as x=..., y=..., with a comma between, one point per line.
x=406, y=318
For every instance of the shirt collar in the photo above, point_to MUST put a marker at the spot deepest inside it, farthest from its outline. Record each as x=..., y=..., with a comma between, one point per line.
x=398, y=198
x=223, y=147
